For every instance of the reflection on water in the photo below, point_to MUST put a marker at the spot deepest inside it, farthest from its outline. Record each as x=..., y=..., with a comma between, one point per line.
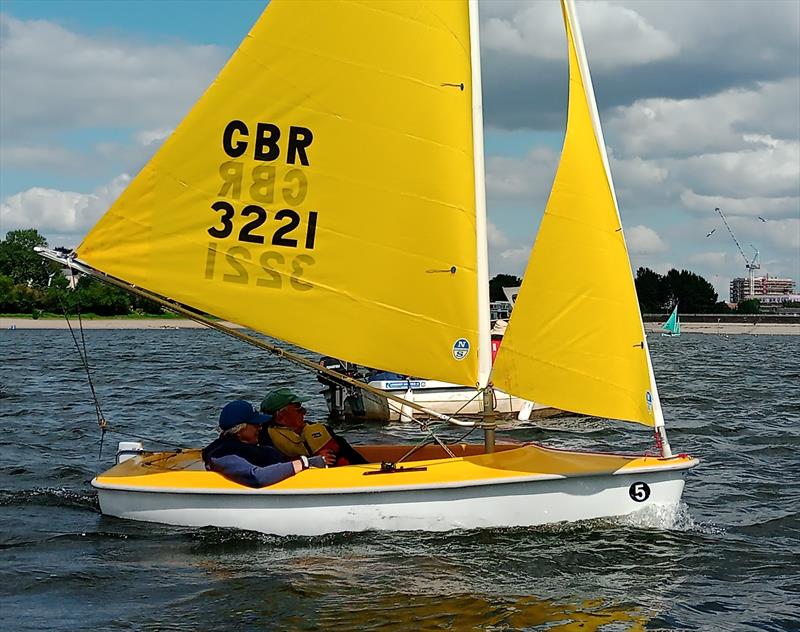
x=726, y=560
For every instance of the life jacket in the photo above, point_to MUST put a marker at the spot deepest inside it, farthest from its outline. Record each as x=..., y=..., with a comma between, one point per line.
x=288, y=441
x=314, y=439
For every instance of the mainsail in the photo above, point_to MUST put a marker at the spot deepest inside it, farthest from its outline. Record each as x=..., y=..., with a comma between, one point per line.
x=575, y=340
x=322, y=191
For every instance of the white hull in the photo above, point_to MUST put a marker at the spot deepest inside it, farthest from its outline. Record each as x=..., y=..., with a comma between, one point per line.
x=439, y=397
x=455, y=506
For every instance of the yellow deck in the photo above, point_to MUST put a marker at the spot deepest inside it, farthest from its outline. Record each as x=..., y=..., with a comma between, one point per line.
x=185, y=471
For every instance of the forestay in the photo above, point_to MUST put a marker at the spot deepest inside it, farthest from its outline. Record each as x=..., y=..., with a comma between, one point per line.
x=575, y=340
x=321, y=191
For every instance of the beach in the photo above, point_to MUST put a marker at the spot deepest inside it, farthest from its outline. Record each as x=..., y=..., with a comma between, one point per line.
x=728, y=328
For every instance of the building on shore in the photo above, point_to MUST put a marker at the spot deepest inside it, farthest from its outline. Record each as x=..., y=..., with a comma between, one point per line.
x=768, y=290
x=500, y=310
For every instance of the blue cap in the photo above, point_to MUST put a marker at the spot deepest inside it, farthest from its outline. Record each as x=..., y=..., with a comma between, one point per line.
x=240, y=412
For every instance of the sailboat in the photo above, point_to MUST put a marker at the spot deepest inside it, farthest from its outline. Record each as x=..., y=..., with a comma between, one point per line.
x=347, y=401
x=672, y=327
x=327, y=190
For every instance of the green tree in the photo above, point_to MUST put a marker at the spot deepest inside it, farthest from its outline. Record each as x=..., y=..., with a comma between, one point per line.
x=95, y=297
x=500, y=281
x=750, y=306
x=18, y=298
x=8, y=295
x=19, y=261
x=651, y=291
x=692, y=292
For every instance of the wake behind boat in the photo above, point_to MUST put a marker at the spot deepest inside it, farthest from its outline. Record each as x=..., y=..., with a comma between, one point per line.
x=288, y=176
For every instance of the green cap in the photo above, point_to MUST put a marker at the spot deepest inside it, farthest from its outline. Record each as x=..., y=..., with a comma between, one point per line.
x=278, y=399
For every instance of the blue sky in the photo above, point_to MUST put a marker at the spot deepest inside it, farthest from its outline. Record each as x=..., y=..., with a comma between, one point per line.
x=699, y=103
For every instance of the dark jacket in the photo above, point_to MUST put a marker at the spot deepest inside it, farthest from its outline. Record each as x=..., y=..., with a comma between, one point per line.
x=251, y=465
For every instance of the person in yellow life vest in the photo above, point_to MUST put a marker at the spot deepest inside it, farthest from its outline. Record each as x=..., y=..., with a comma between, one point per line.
x=289, y=433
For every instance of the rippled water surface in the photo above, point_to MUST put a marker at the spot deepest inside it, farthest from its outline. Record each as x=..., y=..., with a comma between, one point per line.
x=731, y=562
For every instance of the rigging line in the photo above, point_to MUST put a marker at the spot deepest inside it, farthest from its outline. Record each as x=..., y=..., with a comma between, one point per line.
x=432, y=431
x=85, y=362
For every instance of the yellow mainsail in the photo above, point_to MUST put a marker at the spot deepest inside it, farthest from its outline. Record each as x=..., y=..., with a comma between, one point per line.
x=575, y=340
x=322, y=191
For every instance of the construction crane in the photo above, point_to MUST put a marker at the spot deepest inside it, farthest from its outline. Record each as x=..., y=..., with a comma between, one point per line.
x=750, y=264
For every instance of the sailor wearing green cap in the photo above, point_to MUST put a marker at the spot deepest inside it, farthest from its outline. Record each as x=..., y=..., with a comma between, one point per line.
x=291, y=435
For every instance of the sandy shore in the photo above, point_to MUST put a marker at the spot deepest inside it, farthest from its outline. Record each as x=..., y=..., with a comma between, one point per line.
x=772, y=329
x=175, y=323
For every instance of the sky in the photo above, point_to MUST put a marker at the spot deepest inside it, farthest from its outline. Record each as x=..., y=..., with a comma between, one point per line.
x=699, y=102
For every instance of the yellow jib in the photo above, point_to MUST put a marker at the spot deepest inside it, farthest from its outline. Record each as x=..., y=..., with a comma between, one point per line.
x=575, y=340
x=321, y=191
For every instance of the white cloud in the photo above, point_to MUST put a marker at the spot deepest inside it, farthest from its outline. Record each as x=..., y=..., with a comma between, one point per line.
x=526, y=179
x=509, y=261
x=729, y=121
x=747, y=206
x=537, y=30
x=57, y=158
x=643, y=240
x=59, y=212
x=85, y=81
x=766, y=172
x=150, y=136
x=713, y=260
x=495, y=236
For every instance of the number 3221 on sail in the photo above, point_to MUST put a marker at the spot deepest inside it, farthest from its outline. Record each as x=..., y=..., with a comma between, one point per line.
x=239, y=259
x=270, y=270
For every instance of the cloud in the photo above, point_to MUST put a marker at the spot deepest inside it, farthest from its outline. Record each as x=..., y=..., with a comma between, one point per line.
x=66, y=213
x=509, y=261
x=495, y=236
x=748, y=206
x=91, y=82
x=733, y=120
x=537, y=30
x=637, y=51
x=527, y=179
x=644, y=241
x=150, y=136
x=713, y=260
x=50, y=157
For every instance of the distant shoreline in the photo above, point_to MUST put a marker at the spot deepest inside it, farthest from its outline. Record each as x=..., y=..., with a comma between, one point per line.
x=105, y=323
x=779, y=329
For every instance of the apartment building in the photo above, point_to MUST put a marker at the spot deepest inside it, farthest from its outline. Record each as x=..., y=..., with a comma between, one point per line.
x=766, y=289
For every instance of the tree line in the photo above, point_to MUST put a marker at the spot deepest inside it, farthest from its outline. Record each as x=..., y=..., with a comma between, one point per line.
x=32, y=285
x=658, y=293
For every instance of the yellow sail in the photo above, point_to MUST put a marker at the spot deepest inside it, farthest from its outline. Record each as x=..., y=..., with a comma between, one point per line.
x=575, y=340
x=322, y=190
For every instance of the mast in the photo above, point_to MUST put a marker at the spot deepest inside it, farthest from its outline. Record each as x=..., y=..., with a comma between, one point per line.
x=484, y=319
x=484, y=324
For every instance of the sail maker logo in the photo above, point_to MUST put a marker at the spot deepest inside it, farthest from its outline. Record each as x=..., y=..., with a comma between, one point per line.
x=460, y=348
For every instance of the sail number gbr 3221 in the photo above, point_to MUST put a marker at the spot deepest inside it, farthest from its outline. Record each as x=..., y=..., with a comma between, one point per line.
x=254, y=220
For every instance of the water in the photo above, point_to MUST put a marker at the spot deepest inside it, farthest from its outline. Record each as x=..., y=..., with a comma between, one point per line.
x=729, y=562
